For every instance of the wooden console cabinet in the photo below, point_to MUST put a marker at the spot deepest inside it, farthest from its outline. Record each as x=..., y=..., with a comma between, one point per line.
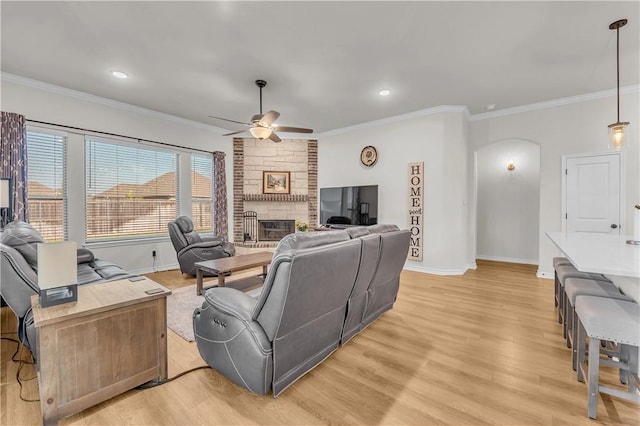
x=112, y=339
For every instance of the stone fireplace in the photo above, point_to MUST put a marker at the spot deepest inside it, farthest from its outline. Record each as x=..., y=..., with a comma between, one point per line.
x=252, y=157
x=275, y=230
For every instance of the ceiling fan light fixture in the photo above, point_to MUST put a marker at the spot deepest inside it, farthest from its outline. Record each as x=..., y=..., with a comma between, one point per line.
x=260, y=132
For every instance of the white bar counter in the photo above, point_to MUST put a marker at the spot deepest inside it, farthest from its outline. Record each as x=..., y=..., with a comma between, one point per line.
x=605, y=254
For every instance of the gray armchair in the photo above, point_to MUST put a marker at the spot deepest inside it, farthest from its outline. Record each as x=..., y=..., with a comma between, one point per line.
x=192, y=247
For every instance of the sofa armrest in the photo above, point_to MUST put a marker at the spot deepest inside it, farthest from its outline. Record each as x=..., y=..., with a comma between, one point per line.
x=208, y=236
x=201, y=249
x=231, y=301
x=85, y=256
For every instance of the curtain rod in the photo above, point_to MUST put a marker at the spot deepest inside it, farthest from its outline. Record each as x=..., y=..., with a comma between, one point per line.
x=115, y=134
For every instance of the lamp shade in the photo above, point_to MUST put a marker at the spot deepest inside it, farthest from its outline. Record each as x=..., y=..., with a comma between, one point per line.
x=617, y=135
x=57, y=264
x=5, y=197
x=261, y=132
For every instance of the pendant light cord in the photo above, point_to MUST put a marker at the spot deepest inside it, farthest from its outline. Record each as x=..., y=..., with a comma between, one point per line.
x=618, y=68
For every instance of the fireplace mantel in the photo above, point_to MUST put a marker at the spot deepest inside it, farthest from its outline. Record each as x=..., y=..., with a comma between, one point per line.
x=300, y=198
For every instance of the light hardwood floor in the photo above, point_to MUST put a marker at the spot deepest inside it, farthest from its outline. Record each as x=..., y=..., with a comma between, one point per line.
x=483, y=348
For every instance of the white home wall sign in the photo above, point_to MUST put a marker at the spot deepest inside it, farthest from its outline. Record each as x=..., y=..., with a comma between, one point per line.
x=416, y=188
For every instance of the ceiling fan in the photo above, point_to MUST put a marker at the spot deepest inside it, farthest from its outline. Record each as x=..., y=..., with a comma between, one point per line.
x=262, y=126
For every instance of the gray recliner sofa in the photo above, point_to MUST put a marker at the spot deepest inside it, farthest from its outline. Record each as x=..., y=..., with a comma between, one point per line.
x=383, y=254
x=322, y=288
x=192, y=247
x=19, y=273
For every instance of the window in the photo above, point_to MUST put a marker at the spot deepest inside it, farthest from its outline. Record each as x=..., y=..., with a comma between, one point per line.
x=46, y=189
x=131, y=190
x=201, y=192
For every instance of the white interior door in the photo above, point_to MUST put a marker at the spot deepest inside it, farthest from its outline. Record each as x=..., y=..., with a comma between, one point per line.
x=592, y=188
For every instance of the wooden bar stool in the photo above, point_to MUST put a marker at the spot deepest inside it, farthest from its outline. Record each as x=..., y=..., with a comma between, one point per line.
x=569, y=271
x=574, y=287
x=614, y=320
x=558, y=261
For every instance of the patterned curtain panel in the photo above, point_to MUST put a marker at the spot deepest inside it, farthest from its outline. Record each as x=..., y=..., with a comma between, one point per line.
x=220, y=225
x=13, y=161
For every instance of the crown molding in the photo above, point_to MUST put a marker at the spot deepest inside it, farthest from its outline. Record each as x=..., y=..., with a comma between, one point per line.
x=397, y=118
x=76, y=94
x=555, y=103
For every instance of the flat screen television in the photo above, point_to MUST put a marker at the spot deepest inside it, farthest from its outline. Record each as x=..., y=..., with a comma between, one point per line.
x=349, y=205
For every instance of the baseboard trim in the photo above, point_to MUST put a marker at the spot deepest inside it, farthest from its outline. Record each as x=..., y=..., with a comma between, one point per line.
x=158, y=268
x=435, y=271
x=508, y=259
x=545, y=274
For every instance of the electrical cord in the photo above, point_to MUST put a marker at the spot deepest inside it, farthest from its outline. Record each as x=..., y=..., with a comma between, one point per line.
x=21, y=363
x=153, y=384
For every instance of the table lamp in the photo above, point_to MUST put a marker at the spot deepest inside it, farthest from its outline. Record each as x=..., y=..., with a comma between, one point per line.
x=58, y=273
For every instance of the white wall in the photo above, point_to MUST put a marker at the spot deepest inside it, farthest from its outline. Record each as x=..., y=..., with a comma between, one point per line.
x=38, y=101
x=508, y=201
x=567, y=128
x=439, y=139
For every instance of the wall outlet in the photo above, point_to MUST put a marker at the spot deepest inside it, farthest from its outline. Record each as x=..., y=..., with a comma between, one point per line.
x=153, y=253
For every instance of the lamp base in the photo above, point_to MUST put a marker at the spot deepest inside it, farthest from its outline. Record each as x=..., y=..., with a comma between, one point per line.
x=58, y=295
x=634, y=242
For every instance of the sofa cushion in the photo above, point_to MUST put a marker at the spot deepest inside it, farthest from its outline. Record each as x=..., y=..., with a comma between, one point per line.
x=23, y=238
x=357, y=231
x=304, y=240
x=383, y=228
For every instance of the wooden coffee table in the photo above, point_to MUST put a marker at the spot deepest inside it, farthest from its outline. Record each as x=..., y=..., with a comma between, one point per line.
x=225, y=265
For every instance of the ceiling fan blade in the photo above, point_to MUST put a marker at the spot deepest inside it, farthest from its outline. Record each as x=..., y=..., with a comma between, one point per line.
x=230, y=121
x=290, y=129
x=274, y=137
x=269, y=118
x=234, y=133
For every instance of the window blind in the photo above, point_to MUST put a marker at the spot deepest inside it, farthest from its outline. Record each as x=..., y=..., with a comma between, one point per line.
x=131, y=190
x=46, y=185
x=202, y=192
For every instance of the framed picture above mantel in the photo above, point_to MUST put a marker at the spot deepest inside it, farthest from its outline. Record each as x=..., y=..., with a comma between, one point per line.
x=276, y=182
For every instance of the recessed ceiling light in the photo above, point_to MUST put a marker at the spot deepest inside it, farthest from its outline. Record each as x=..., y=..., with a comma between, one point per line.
x=119, y=74
x=491, y=107
x=384, y=92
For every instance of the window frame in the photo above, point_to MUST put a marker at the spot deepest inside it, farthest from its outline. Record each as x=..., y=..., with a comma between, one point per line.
x=105, y=241
x=64, y=197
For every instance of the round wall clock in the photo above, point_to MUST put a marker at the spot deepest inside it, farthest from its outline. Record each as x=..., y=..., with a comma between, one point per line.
x=369, y=156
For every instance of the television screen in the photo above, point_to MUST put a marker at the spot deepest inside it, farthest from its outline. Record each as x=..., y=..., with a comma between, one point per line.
x=349, y=205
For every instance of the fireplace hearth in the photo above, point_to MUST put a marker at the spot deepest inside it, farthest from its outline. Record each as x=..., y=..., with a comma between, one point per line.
x=275, y=230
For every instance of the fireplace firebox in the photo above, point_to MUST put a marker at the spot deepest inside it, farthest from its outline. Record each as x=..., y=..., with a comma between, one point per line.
x=275, y=230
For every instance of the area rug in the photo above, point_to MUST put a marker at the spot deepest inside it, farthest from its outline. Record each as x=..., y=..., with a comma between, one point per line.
x=182, y=302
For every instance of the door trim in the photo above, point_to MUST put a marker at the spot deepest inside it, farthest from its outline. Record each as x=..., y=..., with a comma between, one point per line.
x=563, y=173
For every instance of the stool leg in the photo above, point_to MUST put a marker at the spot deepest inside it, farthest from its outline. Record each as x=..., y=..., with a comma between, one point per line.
x=555, y=289
x=579, y=348
x=594, y=370
x=623, y=358
x=575, y=336
x=633, y=367
x=560, y=302
x=568, y=320
x=564, y=313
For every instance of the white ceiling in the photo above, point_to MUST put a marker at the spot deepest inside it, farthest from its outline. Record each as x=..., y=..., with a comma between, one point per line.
x=324, y=61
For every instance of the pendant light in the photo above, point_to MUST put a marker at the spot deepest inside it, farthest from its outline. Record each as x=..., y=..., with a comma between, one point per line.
x=616, y=130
